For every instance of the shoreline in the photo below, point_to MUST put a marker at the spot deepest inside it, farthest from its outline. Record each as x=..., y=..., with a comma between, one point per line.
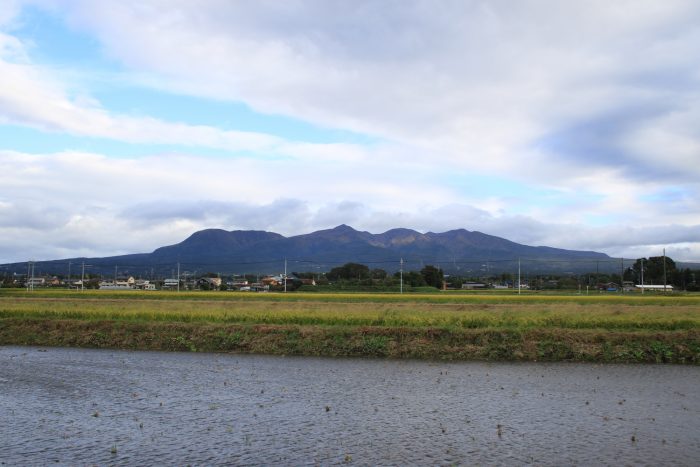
x=424, y=343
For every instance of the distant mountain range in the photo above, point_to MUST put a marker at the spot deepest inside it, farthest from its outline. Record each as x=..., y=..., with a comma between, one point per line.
x=252, y=251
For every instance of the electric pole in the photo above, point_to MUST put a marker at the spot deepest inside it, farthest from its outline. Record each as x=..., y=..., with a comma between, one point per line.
x=664, y=270
x=82, y=277
x=285, y=275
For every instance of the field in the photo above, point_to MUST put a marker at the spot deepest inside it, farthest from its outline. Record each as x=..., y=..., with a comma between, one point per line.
x=615, y=328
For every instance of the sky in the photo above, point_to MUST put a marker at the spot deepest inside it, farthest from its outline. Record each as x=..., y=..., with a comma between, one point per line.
x=129, y=125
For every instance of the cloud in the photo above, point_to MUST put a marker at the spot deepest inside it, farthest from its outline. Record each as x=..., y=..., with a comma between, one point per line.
x=469, y=82
x=28, y=97
x=96, y=206
x=590, y=109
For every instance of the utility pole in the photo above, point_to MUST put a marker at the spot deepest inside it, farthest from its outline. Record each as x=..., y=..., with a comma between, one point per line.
x=664, y=270
x=285, y=275
x=69, y=264
x=178, y=276
x=30, y=275
x=518, y=276
x=82, y=277
x=622, y=274
x=642, y=276
x=401, y=275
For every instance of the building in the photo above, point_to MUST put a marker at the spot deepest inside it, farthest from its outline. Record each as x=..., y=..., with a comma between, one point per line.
x=209, y=282
x=655, y=287
x=171, y=284
x=36, y=282
x=608, y=286
x=125, y=283
x=144, y=285
x=271, y=281
x=109, y=285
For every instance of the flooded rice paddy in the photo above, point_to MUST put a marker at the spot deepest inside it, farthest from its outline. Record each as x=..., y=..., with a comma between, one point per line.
x=78, y=407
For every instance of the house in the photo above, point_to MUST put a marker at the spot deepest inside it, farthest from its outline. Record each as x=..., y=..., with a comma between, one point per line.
x=238, y=284
x=308, y=281
x=36, y=282
x=608, y=286
x=209, y=282
x=128, y=281
x=473, y=285
x=122, y=283
x=144, y=285
x=271, y=280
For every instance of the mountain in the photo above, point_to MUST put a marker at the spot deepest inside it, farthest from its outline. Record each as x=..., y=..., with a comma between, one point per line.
x=253, y=251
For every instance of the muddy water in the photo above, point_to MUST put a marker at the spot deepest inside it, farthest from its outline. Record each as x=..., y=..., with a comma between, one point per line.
x=77, y=407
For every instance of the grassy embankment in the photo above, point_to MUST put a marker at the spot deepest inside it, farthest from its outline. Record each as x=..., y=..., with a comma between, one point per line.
x=601, y=328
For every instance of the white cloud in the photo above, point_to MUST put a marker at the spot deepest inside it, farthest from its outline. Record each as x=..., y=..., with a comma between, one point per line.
x=469, y=81
x=596, y=103
x=93, y=205
x=28, y=97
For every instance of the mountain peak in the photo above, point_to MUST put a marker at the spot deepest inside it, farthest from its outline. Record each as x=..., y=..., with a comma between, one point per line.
x=343, y=228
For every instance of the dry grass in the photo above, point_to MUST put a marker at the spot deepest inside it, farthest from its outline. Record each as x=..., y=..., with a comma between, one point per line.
x=556, y=313
x=491, y=327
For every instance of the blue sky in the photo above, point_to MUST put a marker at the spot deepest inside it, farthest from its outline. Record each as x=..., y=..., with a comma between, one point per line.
x=125, y=126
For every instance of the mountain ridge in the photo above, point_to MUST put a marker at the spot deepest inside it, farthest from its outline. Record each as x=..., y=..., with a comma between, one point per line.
x=237, y=251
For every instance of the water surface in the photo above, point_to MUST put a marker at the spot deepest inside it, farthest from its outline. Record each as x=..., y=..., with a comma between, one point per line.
x=77, y=407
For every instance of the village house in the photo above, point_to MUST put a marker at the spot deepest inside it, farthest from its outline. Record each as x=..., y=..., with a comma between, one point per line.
x=209, y=282
x=608, y=286
x=125, y=283
x=271, y=280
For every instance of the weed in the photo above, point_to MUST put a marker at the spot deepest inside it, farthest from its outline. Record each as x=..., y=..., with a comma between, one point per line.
x=661, y=352
x=374, y=345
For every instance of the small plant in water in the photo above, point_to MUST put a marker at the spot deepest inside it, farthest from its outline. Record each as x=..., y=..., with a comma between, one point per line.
x=114, y=449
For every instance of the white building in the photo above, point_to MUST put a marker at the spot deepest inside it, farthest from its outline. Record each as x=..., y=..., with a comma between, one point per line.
x=655, y=287
x=170, y=283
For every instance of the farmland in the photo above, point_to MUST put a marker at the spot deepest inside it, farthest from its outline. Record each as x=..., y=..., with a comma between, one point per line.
x=463, y=326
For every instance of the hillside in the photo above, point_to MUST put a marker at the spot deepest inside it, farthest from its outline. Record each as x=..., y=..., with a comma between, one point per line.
x=251, y=251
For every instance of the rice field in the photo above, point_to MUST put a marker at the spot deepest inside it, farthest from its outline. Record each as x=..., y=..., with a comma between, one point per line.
x=605, y=328
x=449, y=311
x=456, y=296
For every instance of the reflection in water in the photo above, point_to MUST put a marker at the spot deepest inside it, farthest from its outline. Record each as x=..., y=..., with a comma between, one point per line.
x=72, y=406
